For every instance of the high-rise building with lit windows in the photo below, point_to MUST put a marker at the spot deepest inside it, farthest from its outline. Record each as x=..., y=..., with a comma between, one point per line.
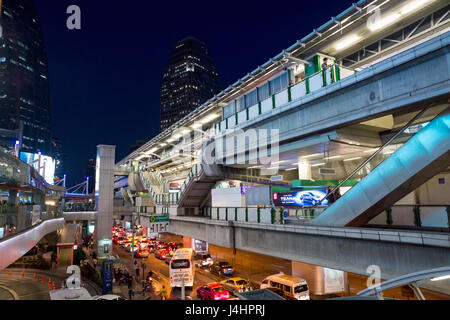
x=24, y=87
x=189, y=80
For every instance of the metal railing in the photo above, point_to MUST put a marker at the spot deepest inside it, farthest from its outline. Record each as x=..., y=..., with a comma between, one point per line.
x=15, y=219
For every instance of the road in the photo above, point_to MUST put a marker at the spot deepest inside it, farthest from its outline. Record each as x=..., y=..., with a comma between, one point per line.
x=161, y=270
x=255, y=267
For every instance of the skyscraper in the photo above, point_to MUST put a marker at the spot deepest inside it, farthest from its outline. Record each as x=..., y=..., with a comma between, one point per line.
x=189, y=80
x=58, y=155
x=24, y=88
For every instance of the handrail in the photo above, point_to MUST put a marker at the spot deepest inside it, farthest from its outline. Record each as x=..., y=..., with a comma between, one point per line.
x=375, y=153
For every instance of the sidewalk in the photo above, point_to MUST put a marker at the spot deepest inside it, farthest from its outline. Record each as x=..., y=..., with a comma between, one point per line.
x=137, y=289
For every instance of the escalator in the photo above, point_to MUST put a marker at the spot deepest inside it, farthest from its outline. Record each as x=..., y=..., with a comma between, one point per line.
x=422, y=157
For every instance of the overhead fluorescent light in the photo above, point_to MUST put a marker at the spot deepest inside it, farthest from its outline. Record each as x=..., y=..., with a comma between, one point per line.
x=347, y=42
x=311, y=155
x=281, y=161
x=383, y=22
x=317, y=164
x=209, y=118
x=413, y=6
x=196, y=125
x=334, y=157
x=163, y=144
x=291, y=169
x=440, y=278
x=351, y=159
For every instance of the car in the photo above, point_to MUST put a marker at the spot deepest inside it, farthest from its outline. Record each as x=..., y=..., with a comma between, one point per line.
x=161, y=254
x=135, y=248
x=309, y=198
x=203, y=260
x=142, y=254
x=221, y=268
x=143, y=245
x=108, y=297
x=168, y=258
x=213, y=291
x=236, y=284
x=161, y=245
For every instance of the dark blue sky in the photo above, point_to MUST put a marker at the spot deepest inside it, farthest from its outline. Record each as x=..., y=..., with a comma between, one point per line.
x=105, y=78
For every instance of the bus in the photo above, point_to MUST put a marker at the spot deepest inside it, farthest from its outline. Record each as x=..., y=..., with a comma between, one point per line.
x=181, y=267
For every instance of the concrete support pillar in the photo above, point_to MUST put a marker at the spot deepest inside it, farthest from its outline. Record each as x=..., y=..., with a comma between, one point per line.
x=304, y=169
x=104, y=198
x=13, y=197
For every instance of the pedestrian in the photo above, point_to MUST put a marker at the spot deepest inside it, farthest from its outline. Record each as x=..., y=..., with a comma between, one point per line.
x=137, y=273
x=325, y=63
x=330, y=196
x=130, y=288
x=338, y=193
x=163, y=293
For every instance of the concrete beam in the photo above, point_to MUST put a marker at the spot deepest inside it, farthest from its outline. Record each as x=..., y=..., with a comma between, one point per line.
x=347, y=249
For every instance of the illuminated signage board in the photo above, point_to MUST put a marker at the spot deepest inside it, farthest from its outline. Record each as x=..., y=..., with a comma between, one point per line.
x=45, y=165
x=304, y=198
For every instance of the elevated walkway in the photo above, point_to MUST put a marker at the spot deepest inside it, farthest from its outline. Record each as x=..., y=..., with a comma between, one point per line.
x=426, y=154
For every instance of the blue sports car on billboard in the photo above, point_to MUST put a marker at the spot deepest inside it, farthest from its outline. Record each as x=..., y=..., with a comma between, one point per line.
x=306, y=198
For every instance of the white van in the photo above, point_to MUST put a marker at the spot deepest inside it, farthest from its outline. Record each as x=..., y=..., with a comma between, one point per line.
x=293, y=287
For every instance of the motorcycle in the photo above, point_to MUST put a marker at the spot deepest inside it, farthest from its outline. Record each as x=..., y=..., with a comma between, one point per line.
x=147, y=285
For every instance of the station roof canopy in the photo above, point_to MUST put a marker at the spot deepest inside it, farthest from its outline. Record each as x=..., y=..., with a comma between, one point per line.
x=356, y=27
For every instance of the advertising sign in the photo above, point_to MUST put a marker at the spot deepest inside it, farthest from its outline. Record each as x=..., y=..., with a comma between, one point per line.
x=35, y=214
x=107, y=276
x=305, y=198
x=174, y=187
x=46, y=168
x=334, y=280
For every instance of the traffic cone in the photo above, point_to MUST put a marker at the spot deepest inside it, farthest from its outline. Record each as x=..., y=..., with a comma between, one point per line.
x=53, y=285
x=43, y=279
x=9, y=274
x=49, y=281
x=23, y=274
x=34, y=276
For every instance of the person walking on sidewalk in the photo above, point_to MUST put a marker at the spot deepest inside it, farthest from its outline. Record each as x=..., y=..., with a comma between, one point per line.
x=163, y=293
x=130, y=288
x=137, y=273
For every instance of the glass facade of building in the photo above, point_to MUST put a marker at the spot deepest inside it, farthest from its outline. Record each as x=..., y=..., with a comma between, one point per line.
x=189, y=80
x=24, y=87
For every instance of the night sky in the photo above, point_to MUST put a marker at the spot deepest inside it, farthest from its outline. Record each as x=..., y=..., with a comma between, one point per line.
x=105, y=78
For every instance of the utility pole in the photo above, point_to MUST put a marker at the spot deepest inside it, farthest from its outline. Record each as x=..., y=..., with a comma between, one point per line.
x=132, y=244
x=183, y=293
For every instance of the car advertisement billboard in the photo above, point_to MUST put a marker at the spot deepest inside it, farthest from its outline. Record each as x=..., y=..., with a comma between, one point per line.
x=304, y=198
